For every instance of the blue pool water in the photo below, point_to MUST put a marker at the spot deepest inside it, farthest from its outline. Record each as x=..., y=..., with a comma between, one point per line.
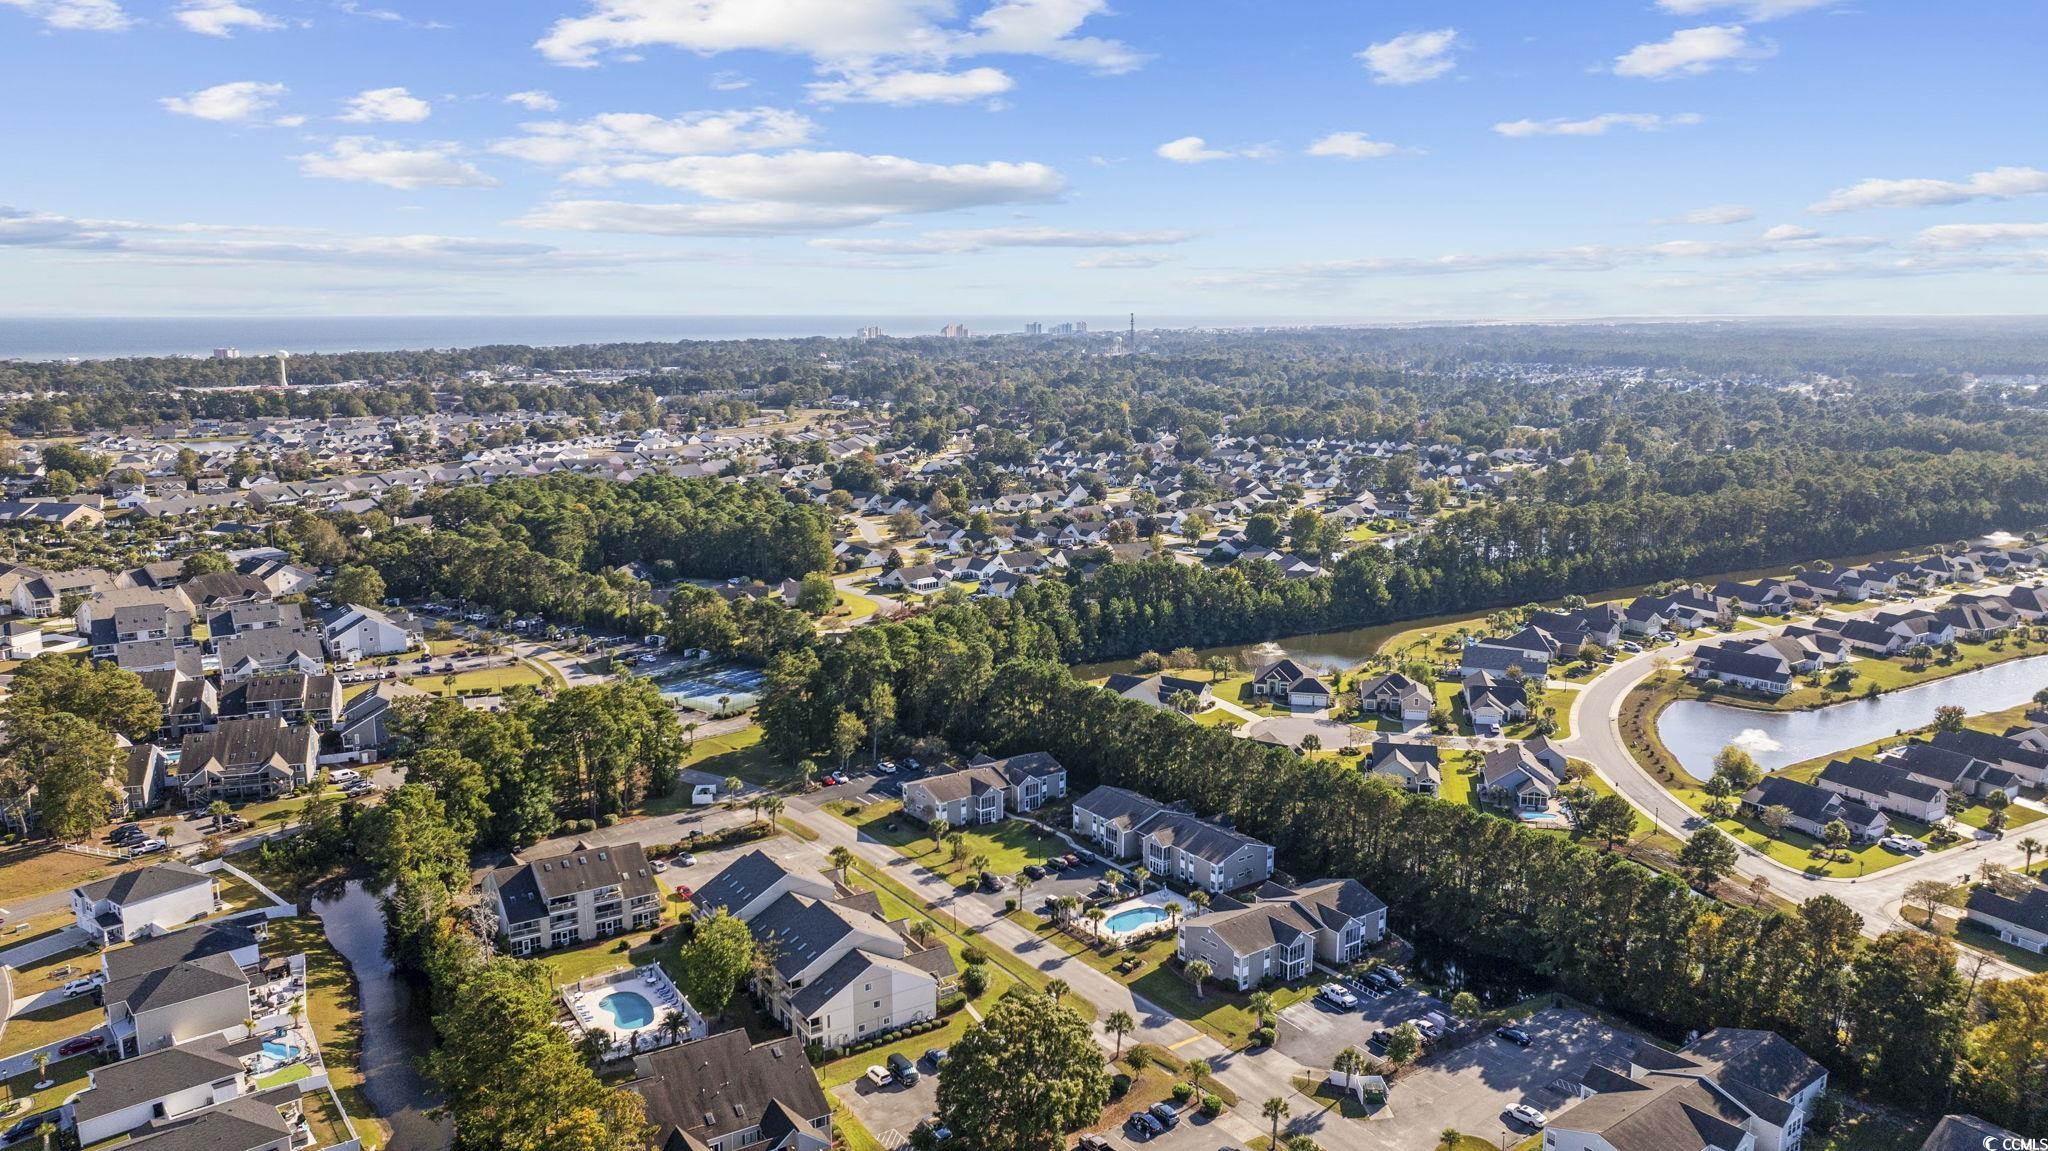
x=1131, y=919
x=278, y=1050
x=629, y=1009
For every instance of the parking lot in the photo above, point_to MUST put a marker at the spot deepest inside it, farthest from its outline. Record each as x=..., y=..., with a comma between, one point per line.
x=892, y=1112
x=1466, y=1087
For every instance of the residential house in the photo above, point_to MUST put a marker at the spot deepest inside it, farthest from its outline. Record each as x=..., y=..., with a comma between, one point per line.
x=1968, y=1133
x=1417, y=767
x=2028, y=764
x=986, y=790
x=1512, y=776
x=1731, y=1089
x=1288, y=682
x=149, y=901
x=1754, y=666
x=367, y=721
x=257, y=652
x=838, y=973
x=2021, y=920
x=190, y=702
x=175, y=988
x=23, y=640
x=1161, y=690
x=44, y=593
x=1810, y=809
x=583, y=895
x=1493, y=701
x=1493, y=658
x=292, y=696
x=163, y=1086
x=271, y=1121
x=1885, y=787
x=750, y=883
x=1172, y=844
x=255, y=758
x=1285, y=932
x=1396, y=696
x=722, y=1093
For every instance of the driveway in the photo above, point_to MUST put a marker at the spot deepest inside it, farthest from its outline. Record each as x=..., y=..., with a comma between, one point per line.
x=1288, y=730
x=1312, y=1033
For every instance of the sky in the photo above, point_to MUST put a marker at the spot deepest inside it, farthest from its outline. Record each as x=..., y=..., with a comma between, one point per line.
x=1354, y=160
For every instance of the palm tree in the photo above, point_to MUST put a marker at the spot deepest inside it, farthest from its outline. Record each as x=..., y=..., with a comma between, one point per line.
x=1350, y=1061
x=733, y=783
x=220, y=811
x=1056, y=989
x=1173, y=910
x=1449, y=1138
x=1199, y=970
x=1141, y=876
x=42, y=1068
x=674, y=1023
x=1198, y=1070
x=690, y=730
x=1275, y=1109
x=773, y=805
x=939, y=828
x=2030, y=845
x=841, y=858
x=1120, y=1023
x=1095, y=917
x=1023, y=879
x=1259, y=1004
x=1201, y=900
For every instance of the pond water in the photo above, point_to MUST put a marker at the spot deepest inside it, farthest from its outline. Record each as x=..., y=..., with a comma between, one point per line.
x=393, y=1032
x=1328, y=651
x=1695, y=730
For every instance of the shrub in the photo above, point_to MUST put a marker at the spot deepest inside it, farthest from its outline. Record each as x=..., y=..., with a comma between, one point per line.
x=608, y=819
x=1182, y=1092
x=1119, y=1085
x=1212, y=1105
x=972, y=956
x=1263, y=1037
x=974, y=981
x=1010, y=904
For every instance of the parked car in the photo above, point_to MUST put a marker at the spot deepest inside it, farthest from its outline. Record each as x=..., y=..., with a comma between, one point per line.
x=1377, y=981
x=27, y=1127
x=341, y=775
x=687, y=859
x=1391, y=976
x=936, y=1057
x=939, y=1131
x=1428, y=1027
x=1094, y=1142
x=658, y=865
x=879, y=1076
x=80, y=1043
x=1143, y=1126
x=991, y=881
x=1035, y=871
x=901, y=1066
x=1337, y=995
x=1903, y=844
x=79, y=987
x=1514, y=1035
x=126, y=832
x=1164, y=1112
x=148, y=847
x=1632, y=647
x=1524, y=1113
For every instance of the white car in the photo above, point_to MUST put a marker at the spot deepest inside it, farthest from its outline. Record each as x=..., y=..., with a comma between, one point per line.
x=1338, y=996
x=1903, y=844
x=687, y=859
x=341, y=775
x=879, y=1076
x=658, y=865
x=79, y=987
x=886, y=768
x=1528, y=1115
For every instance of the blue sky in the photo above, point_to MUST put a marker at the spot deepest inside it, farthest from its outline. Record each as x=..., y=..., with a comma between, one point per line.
x=1286, y=158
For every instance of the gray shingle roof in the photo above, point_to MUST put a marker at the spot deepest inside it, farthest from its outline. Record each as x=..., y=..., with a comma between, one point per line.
x=148, y=883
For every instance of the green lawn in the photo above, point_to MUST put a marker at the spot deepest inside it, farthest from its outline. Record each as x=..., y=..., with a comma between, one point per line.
x=1010, y=845
x=68, y=1077
x=284, y=1075
x=1219, y=1011
x=60, y=1020
x=736, y=753
x=1217, y=717
x=336, y=1016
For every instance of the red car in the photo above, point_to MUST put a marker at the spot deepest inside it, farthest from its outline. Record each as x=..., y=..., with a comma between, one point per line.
x=685, y=892
x=81, y=1043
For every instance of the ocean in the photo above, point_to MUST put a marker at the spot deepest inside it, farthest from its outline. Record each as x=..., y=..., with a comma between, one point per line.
x=23, y=338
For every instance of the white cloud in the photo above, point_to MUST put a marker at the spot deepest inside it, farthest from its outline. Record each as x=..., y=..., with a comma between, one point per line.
x=1691, y=52
x=617, y=137
x=1411, y=57
x=838, y=34
x=1351, y=146
x=979, y=239
x=1597, y=125
x=1123, y=260
x=1754, y=10
x=1195, y=150
x=798, y=191
x=367, y=160
x=1996, y=184
x=911, y=87
x=729, y=82
x=1786, y=232
x=1981, y=235
x=237, y=101
x=1715, y=215
x=222, y=17
x=534, y=100
x=386, y=106
x=75, y=15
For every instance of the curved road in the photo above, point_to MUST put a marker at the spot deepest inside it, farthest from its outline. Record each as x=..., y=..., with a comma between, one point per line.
x=1597, y=739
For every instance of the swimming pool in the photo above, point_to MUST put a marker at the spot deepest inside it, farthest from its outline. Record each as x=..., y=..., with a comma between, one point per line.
x=630, y=1010
x=1132, y=918
x=277, y=1050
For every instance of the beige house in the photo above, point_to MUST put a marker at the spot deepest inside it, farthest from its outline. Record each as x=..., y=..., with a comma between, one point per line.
x=1285, y=932
x=585, y=894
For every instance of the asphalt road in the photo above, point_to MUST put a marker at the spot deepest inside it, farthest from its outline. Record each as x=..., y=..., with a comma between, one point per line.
x=1597, y=739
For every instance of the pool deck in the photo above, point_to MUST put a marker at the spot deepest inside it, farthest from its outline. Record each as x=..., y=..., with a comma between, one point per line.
x=585, y=1002
x=1156, y=900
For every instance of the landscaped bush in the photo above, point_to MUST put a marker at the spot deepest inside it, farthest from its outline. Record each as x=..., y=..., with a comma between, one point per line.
x=1182, y=1092
x=1212, y=1105
x=972, y=955
x=608, y=819
x=974, y=981
x=1119, y=1085
x=887, y=1037
x=1263, y=1037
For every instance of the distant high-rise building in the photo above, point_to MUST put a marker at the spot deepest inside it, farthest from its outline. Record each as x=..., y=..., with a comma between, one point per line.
x=284, y=379
x=871, y=332
x=954, y=331
x=1063, y=329
x=227, y=353
x=1080, y=327
x=1034, y=329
